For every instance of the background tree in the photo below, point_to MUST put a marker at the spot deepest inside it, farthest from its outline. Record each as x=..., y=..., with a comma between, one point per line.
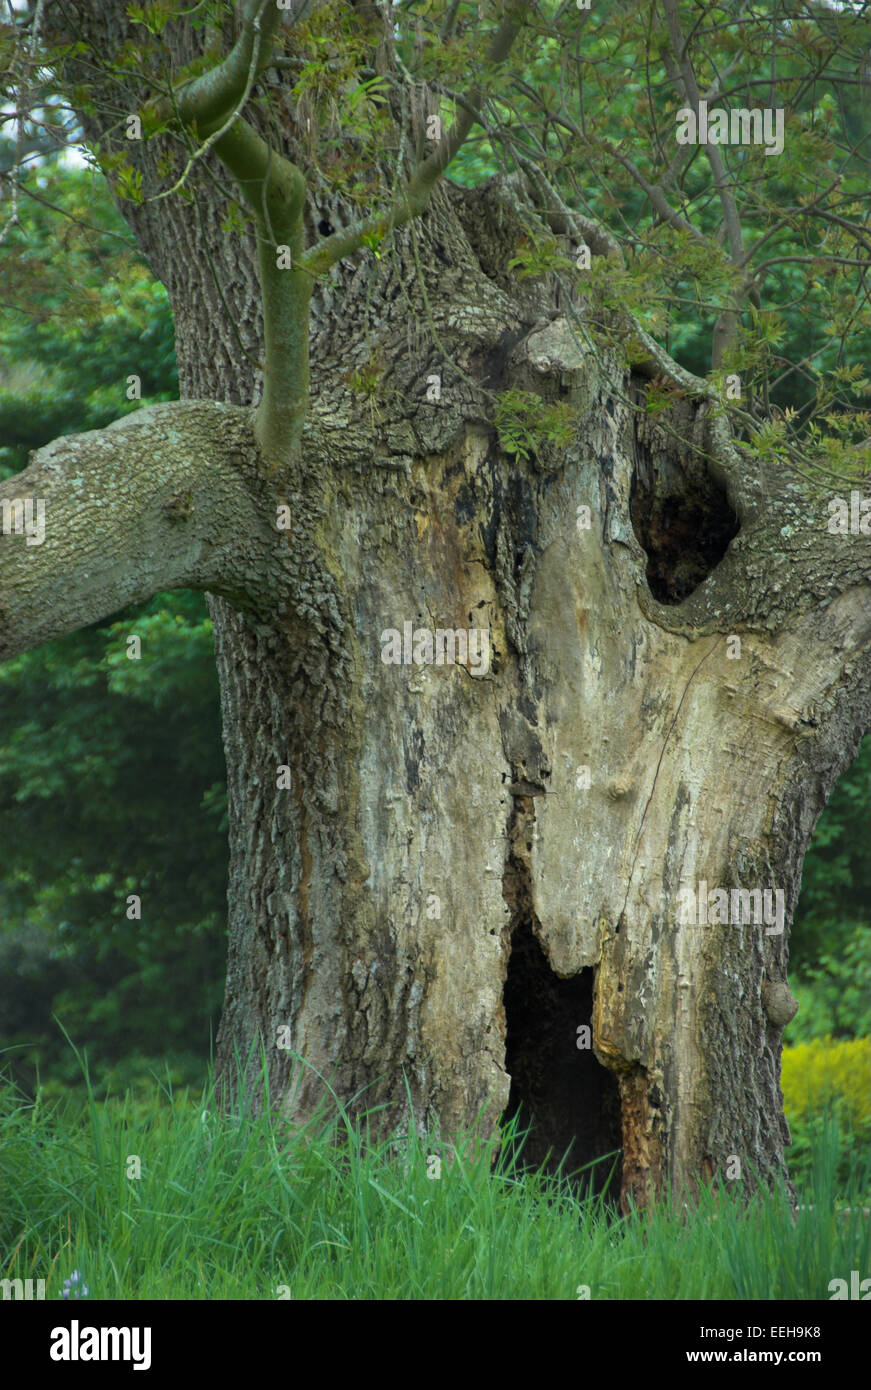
x=90, y=817
x=442, y=394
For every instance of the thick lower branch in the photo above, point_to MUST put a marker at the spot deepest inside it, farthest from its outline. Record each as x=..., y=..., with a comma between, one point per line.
x=161, y=499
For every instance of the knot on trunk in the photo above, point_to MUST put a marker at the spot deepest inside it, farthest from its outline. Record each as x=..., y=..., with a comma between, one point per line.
x=779, y=1002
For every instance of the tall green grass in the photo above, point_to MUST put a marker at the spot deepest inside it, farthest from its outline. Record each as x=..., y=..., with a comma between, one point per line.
x=235, y=1206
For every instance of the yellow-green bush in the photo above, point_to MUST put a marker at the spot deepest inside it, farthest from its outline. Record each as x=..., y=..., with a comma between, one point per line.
x=827, y=1080
x=824, y=1069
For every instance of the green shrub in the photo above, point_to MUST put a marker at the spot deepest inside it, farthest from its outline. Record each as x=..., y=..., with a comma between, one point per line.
x=827, y=1085
x=833, y=987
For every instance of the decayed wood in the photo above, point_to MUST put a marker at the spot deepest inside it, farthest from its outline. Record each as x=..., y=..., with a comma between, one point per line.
x=395, y=830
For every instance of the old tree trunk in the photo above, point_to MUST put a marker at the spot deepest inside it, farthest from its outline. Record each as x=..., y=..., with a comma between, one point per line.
x=440, y=873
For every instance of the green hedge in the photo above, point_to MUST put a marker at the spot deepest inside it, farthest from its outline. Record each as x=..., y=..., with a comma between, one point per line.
x=827, y=1084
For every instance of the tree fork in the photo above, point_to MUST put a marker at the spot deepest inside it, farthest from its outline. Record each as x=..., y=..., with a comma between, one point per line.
x=406, y=783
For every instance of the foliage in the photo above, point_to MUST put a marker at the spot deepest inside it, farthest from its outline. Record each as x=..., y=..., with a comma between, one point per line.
x=776, y=239
x=525, y=422
x=830, y=940
x=111, y=774
x=86, y=314
x=237, y=1206
x=111, y=783
x=539, y=256
x=804, y=335
x=827, y=1087
x=824, y=1070
x=836, y=879
x=834, y=993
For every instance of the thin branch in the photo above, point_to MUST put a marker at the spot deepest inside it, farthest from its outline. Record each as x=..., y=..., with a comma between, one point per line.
x=212, y=140
x=563, y=219
x=21, y=114
x=413, y=198
x=691, y=87
x=810, y=260
x=658, y=201
x=726, y=327
x=72, y=217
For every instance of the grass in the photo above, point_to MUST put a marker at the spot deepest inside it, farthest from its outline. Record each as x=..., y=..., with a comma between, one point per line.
x=235, y=1207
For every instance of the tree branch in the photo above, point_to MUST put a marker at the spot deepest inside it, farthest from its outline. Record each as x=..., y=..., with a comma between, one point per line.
x=207, y=100
x=413, y=198
x=726, y=327
x=658, y=201
x=274, y=189
x=563, y=220
x=161, y=499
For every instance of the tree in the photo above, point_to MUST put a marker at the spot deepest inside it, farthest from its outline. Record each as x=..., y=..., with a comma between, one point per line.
x=91, y=820
x=539, y=655
x=82, y=301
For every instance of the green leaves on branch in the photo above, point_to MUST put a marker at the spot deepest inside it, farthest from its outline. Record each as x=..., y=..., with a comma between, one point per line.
x=155, y=15
x=539, y=257
x=525, y=423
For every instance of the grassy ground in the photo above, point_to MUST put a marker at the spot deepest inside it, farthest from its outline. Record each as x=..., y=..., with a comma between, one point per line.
x=228, y=1208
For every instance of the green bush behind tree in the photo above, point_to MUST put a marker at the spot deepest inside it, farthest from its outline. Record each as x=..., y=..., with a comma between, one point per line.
x=111, y=770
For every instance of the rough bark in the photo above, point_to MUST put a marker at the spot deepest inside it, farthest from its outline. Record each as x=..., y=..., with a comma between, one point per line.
x=557, y=902
x=167, y=497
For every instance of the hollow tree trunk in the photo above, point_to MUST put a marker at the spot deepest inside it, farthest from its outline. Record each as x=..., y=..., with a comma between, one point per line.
x=431, y=897
x=440, y=874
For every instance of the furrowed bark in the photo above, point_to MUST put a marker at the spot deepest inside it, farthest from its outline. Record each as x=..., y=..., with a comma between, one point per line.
x=426, y=891
x=161, y=499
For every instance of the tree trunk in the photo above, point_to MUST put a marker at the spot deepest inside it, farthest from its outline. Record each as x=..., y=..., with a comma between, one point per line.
x=441, y=872
x=432, y=902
